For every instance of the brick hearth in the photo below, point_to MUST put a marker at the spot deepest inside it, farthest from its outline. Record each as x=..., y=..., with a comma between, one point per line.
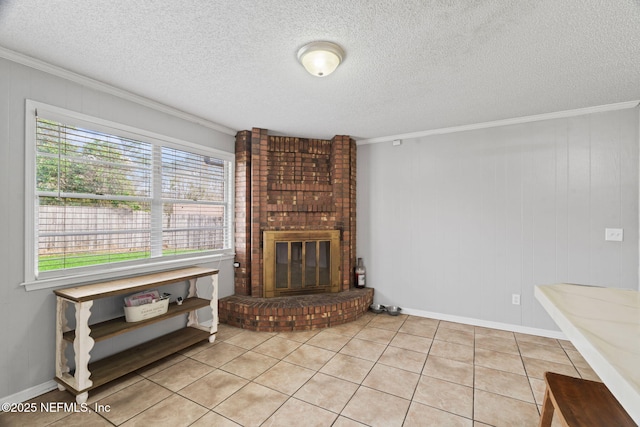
x=294, y=313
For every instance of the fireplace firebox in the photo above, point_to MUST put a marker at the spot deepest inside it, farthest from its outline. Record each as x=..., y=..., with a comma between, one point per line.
x=301, y=262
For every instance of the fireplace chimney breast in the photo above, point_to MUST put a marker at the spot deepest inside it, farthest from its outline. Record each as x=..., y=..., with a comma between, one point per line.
x=293, y=184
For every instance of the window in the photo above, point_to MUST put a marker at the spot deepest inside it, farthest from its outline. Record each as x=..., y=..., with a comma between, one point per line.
x=108, y=196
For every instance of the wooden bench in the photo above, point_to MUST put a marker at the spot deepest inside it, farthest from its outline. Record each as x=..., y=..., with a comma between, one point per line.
x=581, y=403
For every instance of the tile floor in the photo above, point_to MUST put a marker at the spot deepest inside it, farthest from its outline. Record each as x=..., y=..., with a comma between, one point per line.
x=377, y=371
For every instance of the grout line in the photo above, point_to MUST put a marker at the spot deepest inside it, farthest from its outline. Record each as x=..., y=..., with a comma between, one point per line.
x=370, y=324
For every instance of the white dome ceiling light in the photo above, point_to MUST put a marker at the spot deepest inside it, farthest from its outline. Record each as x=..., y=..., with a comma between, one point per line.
x=320, y=58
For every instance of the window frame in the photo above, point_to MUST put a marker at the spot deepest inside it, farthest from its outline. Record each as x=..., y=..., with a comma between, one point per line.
x=48, y=279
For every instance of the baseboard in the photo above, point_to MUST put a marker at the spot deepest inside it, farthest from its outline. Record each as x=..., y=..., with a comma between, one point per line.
x=30, y=393
x=486, y=323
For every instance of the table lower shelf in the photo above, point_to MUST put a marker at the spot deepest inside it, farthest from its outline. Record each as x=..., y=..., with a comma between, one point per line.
x=110, y=328
x=134, y=358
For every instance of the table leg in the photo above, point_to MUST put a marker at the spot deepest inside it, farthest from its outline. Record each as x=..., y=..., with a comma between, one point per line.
x=547, y=410
x=62, y=364
x=193, y=292
x=82, y=345
x=214, y=308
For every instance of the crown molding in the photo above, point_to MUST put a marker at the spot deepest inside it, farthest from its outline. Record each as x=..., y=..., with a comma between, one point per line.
x=505, y=122
x=106, y=88
x=121, y=93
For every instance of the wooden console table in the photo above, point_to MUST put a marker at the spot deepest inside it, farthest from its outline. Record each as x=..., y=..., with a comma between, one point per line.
x=604, y=325
x=87, y=376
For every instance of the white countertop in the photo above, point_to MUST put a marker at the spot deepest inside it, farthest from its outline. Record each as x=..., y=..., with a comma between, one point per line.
x=604, y=325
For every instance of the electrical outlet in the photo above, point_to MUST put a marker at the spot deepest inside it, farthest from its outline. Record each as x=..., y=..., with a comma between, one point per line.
x=613, y=234
x=515, y=299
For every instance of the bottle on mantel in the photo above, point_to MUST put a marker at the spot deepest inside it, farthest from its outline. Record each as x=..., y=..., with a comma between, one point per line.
x=360, y=274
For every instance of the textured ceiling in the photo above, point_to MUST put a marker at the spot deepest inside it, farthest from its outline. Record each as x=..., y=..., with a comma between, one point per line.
x=410, y=66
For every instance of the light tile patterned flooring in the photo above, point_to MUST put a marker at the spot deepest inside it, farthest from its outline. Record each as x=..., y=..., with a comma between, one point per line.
x=377, y=371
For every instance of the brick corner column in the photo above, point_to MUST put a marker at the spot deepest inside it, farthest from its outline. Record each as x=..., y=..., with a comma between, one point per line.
x=259, y=147
x=341, y=154
x=242, y=238
x=353, y=152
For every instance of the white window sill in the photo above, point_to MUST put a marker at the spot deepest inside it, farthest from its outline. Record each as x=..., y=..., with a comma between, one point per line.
x=116, y=273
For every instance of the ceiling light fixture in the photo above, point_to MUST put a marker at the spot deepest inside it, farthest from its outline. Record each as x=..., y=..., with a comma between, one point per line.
x=320, y=58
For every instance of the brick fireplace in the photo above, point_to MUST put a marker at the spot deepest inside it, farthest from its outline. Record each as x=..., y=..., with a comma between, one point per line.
x=288, y=183
x=293, y=184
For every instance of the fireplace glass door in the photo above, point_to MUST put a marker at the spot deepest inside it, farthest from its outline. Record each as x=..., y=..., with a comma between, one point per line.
x=301, y=262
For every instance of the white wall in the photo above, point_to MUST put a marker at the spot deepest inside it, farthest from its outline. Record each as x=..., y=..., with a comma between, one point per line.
x=455, y=224
x=28, y=318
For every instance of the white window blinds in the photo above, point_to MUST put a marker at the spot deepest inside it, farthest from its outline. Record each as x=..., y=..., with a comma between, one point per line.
x=102, y=198
x=193, y=202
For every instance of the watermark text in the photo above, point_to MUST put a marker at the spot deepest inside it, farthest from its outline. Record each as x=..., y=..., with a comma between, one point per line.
x=50, y=407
